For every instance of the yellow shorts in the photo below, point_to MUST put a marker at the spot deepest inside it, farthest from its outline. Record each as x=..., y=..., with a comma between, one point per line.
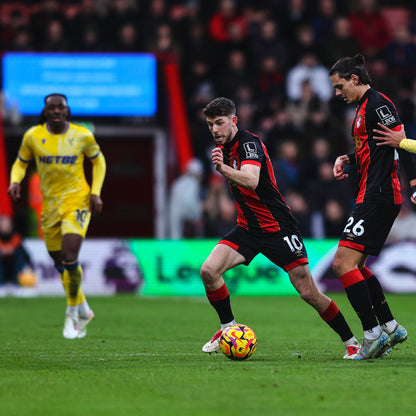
x=64, y=220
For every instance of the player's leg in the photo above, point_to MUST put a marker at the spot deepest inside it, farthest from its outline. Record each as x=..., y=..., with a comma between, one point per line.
x=301, y=278
x=346, y=265
x=221, y=259
x=71, y=245
x=396, y=332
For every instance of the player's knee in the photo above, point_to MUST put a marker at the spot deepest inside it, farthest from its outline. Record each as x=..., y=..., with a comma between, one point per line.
x=337, y=266
x=308, y=294
x=207, y=273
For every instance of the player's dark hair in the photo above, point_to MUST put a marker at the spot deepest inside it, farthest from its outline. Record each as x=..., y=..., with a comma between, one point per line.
x=347, y=66
x=219, y=107
x=42, y=117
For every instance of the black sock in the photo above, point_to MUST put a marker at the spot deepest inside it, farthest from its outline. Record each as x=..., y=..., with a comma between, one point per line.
x=360, y=299
x=223, y=308
x=381, y=307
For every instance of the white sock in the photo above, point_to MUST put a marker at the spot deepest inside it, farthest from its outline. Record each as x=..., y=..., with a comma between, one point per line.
x=72, y=311
x=223, y=326
x=350, y=342
x=372, y=333
x=84, y=310
x=389, y=326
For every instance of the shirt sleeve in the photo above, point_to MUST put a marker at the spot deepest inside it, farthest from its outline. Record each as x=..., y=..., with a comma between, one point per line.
x=98, y=174
x=251, y=152
x=409, y=145
x=25, y=152
x=91, y=148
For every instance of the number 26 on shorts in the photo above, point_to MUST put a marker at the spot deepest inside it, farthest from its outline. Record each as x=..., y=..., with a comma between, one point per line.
x=357, y=228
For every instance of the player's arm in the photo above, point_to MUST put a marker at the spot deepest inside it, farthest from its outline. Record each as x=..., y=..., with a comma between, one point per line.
x=17, y=174
x=395, y=137
x=248, y=176
x=98, y=175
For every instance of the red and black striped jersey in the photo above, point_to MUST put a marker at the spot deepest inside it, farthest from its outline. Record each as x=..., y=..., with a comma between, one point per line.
x=263, y=209
x=376, y=165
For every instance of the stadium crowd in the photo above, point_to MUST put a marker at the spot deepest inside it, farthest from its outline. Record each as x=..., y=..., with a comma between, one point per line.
x=271, y=57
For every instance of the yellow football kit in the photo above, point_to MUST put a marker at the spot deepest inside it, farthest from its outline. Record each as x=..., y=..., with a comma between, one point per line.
x=59, y=161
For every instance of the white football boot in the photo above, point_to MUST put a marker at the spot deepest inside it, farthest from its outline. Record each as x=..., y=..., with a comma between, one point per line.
x=82, y=324
x=70, y=327
x=213, y=345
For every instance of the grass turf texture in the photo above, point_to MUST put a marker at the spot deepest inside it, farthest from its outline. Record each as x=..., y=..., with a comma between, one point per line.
x=143, y=357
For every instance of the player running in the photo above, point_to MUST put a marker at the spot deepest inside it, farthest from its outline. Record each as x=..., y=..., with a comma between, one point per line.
x=377, y=204
x=58, y=148
x=265, y=225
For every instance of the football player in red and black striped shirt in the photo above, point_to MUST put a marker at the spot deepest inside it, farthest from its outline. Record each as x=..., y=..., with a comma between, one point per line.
x=377, y=204
x=265, y=225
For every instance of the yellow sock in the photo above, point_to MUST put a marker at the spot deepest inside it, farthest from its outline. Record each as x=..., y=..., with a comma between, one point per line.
x=71, y=280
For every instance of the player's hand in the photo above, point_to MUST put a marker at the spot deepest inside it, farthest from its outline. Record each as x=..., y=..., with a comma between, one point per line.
x=338, y=169
x=217, y=158
x=96, y=204
x=389, y=137
x=14, y=191
x=413, y=194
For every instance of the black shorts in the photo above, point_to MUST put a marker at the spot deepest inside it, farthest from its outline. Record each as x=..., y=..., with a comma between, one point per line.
x=284, y=248
x=368, y=227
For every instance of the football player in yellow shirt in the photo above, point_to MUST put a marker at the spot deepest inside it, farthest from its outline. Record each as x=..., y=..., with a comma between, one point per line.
x=58, y=148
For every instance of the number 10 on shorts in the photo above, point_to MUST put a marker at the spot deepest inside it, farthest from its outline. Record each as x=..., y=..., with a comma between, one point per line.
x=293, y=242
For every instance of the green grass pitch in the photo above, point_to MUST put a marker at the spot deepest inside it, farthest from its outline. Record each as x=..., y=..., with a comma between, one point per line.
x=143, y=356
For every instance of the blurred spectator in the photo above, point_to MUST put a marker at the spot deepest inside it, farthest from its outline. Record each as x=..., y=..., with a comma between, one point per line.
x=286, y=166
x=340, y=43
x=382, y=78
x=369, y=28
x=323, y=21
x=119, y=13
x=235, y=73
x=309, y=68
x=292, y=15
x=163, y=42
x=127, y=39
x=153, y=15
x=401, y=52
x=335, y=217
x=299, y=110
x=224, y=21
x=86, y=28
x=326, y=188
x=228, y=31
x=56, y=39
x=300, y=210
x=317, y=124
x=198, y=83
x=305, y=43
x=48, y=12
x=13, y=256
x=22, y=41
x=268, y=43
x=14, y=18
x=185, y=207
x=219, y=208
x=270, y=83
x=319, y=153
x=282, y=129
x=197, y=46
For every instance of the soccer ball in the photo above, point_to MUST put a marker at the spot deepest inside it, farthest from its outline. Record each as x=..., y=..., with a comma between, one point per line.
x=238, y=342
